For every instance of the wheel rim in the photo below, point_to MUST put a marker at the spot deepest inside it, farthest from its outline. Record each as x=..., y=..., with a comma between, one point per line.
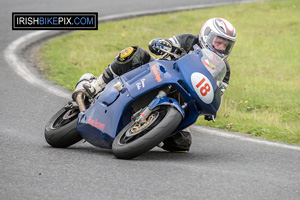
x=66, y=117
x=133, y=133
x=138, y=128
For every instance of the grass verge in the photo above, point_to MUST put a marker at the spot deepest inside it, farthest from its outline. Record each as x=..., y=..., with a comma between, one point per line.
x=263, y=98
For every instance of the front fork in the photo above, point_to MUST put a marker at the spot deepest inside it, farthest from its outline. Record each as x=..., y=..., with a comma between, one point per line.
x=160, y=99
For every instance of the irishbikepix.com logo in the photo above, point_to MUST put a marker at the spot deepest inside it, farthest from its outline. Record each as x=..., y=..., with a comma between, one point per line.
x=54, y=21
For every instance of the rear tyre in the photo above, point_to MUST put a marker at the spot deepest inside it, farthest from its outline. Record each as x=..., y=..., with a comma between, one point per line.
x=61, y=130
x=133, y=141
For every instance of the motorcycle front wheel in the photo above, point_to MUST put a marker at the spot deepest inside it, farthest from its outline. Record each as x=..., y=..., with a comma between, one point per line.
x=61, y=130
x=135, y=140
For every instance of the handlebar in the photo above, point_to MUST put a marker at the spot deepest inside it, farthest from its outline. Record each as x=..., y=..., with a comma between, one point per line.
x=176, y=56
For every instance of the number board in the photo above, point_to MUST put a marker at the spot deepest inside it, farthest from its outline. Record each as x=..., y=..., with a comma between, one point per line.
x=203, y=87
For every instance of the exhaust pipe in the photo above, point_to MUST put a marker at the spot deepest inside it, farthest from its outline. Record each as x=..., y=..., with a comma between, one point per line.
x=78, y=96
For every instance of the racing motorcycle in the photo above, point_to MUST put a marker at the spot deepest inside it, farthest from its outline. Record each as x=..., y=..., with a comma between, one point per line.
x=141, y=108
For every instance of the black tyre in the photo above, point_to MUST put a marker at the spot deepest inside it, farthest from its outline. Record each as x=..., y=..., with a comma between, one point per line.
x=61, y=130
x=133, y=141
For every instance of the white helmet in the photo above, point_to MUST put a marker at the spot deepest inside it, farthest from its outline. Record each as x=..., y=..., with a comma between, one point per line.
x=216, y=30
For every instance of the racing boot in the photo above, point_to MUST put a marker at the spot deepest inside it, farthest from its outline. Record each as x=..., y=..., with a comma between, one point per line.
x=95, y=87
x=179, y=142
x=100, y=83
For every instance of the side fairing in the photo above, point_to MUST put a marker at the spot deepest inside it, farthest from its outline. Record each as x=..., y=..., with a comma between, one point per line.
x=150, y=76
x=101, y=122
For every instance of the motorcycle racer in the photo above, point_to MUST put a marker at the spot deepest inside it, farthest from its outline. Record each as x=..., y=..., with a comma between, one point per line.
x=217, y=35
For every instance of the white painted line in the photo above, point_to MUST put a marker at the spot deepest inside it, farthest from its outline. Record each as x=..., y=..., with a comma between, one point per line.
x=21, y=68
x=241, y=137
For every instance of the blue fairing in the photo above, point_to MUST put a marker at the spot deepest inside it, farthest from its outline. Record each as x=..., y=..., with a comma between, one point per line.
x=99, y=124
x=102, y=121
x=187, y=67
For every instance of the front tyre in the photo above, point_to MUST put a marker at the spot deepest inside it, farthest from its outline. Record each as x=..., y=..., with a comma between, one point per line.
x=61, y=130
x=135, y=140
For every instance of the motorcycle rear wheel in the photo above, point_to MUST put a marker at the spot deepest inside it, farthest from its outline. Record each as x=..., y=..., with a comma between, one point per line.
x=130, y=143
x=61, y=130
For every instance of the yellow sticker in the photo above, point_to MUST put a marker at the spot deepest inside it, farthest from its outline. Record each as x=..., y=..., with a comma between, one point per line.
x=126, y=52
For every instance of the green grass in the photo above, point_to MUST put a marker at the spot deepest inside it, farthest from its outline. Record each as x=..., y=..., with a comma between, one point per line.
x=263, y=98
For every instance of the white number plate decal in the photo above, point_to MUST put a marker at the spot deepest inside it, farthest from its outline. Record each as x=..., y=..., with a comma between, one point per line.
x=203, y=87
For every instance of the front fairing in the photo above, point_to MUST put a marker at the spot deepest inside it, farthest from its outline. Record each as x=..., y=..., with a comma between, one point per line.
x=203, y=72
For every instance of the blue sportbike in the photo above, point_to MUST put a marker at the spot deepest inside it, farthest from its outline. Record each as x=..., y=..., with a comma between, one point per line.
x=140, y=109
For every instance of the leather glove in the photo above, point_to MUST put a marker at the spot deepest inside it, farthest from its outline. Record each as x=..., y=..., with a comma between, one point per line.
x=161, y=44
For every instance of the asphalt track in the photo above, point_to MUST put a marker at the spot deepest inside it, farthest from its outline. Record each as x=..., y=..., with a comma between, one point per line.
x=220, y=165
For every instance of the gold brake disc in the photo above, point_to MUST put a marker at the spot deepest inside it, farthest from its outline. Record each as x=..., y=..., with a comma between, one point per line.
x=138, y=127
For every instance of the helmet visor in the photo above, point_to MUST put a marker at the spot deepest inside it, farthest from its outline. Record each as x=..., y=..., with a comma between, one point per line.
x=219, y=44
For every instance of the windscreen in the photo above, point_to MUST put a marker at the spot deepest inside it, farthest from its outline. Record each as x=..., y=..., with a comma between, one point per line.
x=214, y=64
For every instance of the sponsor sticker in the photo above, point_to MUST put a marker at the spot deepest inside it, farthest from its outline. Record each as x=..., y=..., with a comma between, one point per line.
x=156, y=73
x=95, y=123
